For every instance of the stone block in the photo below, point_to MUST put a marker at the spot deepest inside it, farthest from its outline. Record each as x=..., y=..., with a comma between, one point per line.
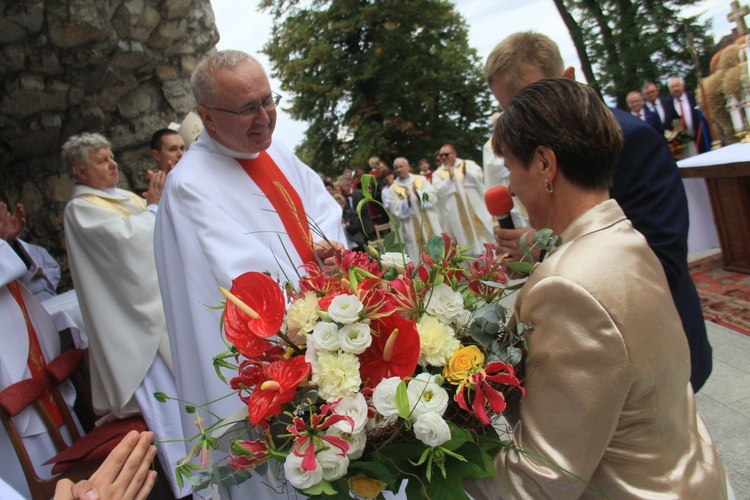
x=167, y=33
x=126, y=17
x=30, y=82
x=77, y=24
x=50, y=121
x=27, y=95
x=108, y=97
x=31, y=197
x=177, y=8
x=28, y=14
x=179, y=95
x=58, y=188
x=130, y=55
x=135, y=103
x=13, y=56
x=11, y=31
x=166, y=72
x=179, y=49
x=188, y=65
x=44, y=60
x=150, y=19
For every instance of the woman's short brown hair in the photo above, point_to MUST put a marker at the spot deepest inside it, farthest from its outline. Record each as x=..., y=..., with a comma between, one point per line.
x=569, y=118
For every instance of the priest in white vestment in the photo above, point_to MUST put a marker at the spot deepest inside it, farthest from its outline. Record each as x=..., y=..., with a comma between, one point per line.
x=109, y=234
x=16, y=301
x=220, y=217
x=460, y=188
x=408, y=200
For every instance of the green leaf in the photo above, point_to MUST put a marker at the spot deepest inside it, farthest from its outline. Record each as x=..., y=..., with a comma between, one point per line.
x=402, y=401
x=521, y=267
x=435, y=247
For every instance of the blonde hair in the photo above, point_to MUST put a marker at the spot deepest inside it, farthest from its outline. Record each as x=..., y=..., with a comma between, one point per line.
x=511, y=58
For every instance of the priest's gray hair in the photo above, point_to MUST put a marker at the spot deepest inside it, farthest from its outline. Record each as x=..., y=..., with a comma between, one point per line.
x=77, y=149
x=201, y=81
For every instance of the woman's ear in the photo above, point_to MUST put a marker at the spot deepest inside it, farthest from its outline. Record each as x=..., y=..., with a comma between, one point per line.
x=547, y=162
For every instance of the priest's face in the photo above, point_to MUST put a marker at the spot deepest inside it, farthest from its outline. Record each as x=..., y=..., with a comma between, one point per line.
x=101, y=171
x=238, y=88
x=402, y=169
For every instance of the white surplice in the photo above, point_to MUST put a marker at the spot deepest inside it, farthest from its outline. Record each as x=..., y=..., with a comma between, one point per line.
x=112, y=264
x=215, y=224
x=464, y=213
x=408, y=209
x=14, y=368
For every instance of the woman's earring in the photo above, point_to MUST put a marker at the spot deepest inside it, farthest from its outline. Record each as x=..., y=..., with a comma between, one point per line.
x=548, y=186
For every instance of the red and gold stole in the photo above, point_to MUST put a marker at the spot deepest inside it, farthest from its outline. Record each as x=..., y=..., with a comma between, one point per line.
x=285, y=200
x=37, y=364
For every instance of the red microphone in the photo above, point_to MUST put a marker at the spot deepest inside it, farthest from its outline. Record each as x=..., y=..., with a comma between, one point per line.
x=499, y=204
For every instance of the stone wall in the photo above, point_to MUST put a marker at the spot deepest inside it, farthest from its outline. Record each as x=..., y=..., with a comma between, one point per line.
x=120, y=68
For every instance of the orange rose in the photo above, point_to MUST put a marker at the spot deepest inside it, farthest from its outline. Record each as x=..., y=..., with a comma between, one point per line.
x=462, y=364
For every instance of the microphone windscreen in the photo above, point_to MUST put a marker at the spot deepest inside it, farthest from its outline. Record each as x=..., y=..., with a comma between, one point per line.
x=498, y=201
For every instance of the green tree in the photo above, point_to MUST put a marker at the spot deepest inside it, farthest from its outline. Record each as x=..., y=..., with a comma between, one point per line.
x=378, y=77
x=622, y=43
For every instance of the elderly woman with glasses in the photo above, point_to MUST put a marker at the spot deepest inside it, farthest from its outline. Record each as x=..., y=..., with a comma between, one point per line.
x=609, y=410
x=110, y=240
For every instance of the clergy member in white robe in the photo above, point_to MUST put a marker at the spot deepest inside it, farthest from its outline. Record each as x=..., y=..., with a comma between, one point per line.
x=215, y=223
x=109, y=234
x=407, y=200
x=460, y=188
x=14, y=361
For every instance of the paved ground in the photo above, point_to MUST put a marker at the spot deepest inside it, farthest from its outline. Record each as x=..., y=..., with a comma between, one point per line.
x=724, y=404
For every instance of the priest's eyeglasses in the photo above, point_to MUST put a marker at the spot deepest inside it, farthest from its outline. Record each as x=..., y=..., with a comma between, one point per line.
x=252, y=110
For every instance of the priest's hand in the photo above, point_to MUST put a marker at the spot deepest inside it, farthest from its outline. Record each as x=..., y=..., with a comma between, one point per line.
x=124, y=474
x=11, y=224
x=326, y=250
x=507, y=242
x=155, y=187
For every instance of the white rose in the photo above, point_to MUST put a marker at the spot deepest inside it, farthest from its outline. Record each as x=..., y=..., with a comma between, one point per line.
x=426, y=396
x=299, y=478
x=437, y=342
x=354, y=407
x=431, y=429
x=384, y=397
x=445, y=303
x=333, y=462
x=345, y=309
x=355, y=338
x=326, y=336
x=356, y=441
x=395, y=259
x=302, y=314
x=336, y=374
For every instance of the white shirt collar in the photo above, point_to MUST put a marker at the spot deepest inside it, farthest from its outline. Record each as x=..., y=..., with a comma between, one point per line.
x=225, y=151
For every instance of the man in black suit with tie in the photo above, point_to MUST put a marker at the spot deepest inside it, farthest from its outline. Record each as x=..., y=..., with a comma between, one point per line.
x=656, y=104
x=684, y=108
x=637, y=109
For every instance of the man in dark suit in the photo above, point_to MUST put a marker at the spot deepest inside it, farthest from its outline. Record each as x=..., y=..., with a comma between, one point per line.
x=637, y=109
x=647, y=184
x=353, y=197
x=684, y=109
x=656, y=104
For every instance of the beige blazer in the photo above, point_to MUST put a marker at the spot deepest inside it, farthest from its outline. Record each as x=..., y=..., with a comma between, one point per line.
x=608, y=396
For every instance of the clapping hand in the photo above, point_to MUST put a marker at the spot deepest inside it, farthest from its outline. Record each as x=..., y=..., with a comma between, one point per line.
x=156, y=182
x=11, y=225
x=124, y=474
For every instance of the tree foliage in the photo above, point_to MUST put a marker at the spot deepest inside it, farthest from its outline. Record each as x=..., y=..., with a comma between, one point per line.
x=623, y=43
x=378, y=77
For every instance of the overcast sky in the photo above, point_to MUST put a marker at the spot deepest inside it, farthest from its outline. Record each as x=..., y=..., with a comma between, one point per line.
x=489, y=22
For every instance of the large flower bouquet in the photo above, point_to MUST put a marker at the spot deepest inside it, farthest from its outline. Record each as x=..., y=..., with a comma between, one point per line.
x=379, y=371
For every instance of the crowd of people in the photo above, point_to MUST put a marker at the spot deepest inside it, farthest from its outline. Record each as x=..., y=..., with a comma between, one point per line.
x=619, y=345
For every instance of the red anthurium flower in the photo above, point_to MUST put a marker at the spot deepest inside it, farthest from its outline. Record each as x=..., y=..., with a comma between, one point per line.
x=497, y=372
x=325, y=301
x=275, y=385
x=394, y=351
x=254, y=311
x=308, y=436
